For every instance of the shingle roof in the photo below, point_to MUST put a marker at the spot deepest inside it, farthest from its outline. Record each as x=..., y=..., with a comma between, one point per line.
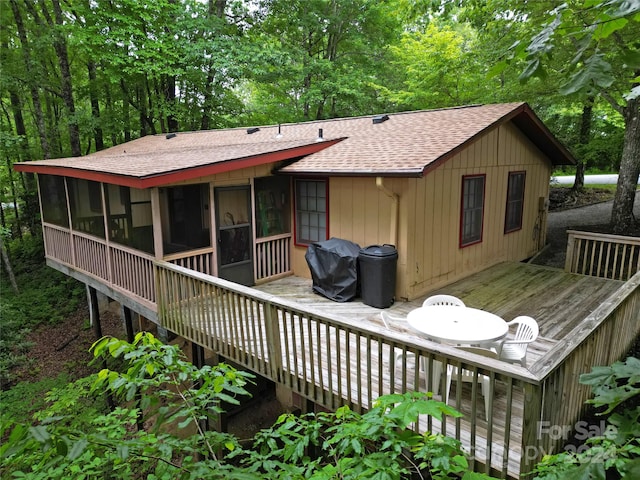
x=407, y=144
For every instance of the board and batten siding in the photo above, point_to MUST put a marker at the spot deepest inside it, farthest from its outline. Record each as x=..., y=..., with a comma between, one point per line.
x=430, y=211
x=428, y=230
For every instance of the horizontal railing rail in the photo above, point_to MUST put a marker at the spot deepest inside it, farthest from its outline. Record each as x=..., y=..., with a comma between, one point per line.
x=334, y=363
x=601, y=255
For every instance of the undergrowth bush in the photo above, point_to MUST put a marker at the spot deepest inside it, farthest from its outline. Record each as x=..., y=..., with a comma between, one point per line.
x=615, y=452
x=155, y=430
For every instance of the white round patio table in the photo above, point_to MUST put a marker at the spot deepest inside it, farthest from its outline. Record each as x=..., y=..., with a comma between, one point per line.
x=457, y=325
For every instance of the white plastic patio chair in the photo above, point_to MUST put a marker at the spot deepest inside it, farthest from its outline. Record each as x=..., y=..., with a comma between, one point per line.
x=469, y=376
x=515, y=349
x=443, y=300
x=388, y=319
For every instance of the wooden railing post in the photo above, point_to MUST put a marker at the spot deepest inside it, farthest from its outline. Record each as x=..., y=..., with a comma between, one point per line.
x=531, y=441
x=568, y=261
x=274, y=347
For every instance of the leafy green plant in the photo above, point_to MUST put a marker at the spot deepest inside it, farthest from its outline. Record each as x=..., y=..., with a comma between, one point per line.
x=379, y=444
x=616, y=452
x=156, y=430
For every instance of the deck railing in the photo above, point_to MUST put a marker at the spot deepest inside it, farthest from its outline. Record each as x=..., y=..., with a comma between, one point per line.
x=600, y=255
x=90, y=255
x=604, y=337
x=333, y=363
x=127, y=269
x=199, y=260
x=272, y=256
x=57, y=243
x=132, y=270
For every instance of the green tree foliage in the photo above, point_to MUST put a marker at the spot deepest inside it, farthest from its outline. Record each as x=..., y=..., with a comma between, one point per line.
x=156, y=388
x=604, y=34
x=441, y=67
x=326, y=57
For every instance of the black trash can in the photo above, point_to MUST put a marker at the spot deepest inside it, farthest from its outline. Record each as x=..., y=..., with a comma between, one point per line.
x=377, y=264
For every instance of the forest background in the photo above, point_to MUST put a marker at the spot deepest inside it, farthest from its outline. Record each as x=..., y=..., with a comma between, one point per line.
x=82, y=75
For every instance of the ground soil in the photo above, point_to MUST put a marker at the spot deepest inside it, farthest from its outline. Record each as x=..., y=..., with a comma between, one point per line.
x=65, y=347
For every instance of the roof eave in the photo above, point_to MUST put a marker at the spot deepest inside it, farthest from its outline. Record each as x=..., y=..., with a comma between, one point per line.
x=166, y=178
x=404, y=173
x=528, y=122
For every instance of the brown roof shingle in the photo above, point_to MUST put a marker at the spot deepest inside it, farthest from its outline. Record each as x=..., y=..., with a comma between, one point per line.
x=404, y=145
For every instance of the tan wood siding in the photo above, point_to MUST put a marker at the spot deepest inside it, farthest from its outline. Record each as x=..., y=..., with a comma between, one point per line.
x=433, y=218
x=428, y=233
x=359, y=212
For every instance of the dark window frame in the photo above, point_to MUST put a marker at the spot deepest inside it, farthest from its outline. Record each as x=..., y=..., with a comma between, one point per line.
x=515, y=203
x=298, y=240
x=475, y=237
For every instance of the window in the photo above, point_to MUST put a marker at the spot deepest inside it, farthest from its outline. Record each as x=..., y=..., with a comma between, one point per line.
x=311, y=211
x=472, y=210
x=515, y=202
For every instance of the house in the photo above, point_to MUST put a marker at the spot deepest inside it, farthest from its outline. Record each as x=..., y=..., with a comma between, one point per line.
x=205, y=235
x=455, y=190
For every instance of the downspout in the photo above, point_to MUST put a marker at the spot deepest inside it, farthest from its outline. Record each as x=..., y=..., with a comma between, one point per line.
x=393, y=234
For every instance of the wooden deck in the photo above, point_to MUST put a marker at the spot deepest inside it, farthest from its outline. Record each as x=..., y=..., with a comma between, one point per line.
x=558, y=301
x=336, y=353
x=340, y=353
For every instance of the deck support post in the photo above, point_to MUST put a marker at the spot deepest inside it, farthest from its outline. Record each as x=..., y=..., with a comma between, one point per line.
x=97, y=329
x=127, y=316
x=94, y=311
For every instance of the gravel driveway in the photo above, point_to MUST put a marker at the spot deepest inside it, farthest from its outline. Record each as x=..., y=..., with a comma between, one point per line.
x=572, y=219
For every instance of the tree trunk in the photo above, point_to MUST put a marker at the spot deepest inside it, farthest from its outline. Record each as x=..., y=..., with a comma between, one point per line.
x=622, y=212
x=169, y=85
x=216, y=8
x=60, y=46
x=110, y=111
x=126, y=115
x=585, y=136
x=33, y=89
x=30, y=188
x=95, y=106
x=7, y=266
